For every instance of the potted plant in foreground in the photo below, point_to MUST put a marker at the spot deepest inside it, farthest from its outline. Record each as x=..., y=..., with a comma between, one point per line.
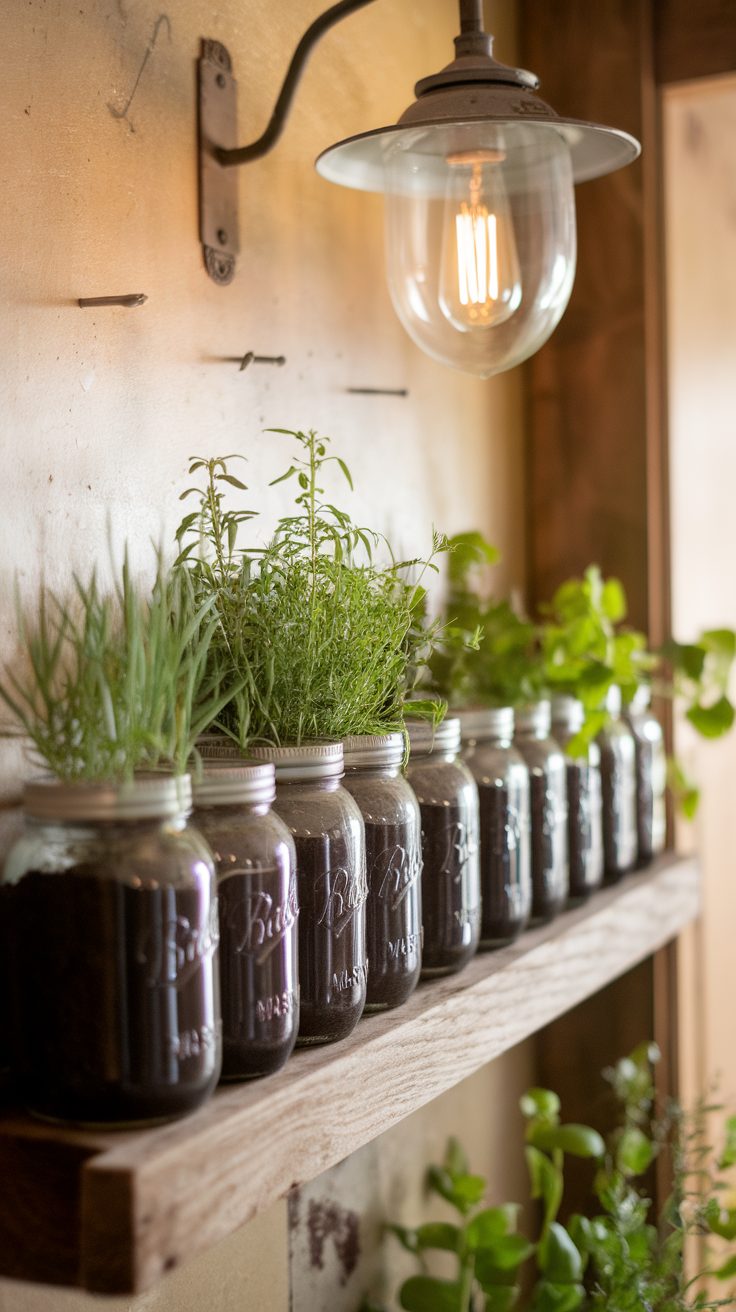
x=108, y=914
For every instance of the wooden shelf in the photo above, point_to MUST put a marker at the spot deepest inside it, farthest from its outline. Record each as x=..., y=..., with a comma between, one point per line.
x=112, y=1212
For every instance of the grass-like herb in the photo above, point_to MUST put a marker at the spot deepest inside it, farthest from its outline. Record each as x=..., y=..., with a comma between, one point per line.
x=115, y=681
x=320, y=640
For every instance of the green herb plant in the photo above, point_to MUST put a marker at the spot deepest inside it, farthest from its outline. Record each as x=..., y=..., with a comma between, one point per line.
x=620, y=1257
x=114, y=681
x=319, y=639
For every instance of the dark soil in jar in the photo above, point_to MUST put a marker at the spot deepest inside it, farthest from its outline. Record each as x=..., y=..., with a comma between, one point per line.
x=393, y=914
x=585, y=846
x=117, y=1015
x=450, y=889
x=618, y=786
x=333, y=969
x=504, y=880
x=549, y=857
x=259, y=981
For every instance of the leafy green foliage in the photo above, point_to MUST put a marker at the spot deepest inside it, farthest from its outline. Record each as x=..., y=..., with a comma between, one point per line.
x=116, y=681
x=618, y=1258
x=700, y=677
x=317, y=639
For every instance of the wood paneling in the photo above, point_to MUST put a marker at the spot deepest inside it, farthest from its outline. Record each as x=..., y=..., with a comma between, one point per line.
x=588, y=387
x=694, y=39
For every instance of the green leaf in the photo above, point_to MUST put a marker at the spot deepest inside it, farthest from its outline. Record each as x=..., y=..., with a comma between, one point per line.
x=345, y=471
x=577, y=1140
x=491, y=1224
x=546, y=1180
x=728, y=1155
x=559, y=1258
x=406, y=1237
x=613, y=600
x=500, y=1260
x=712, y=721
x=634, y=1152
x=232, y=480
x=425, y=1294
x=462, y=1191
x=728, y=1269
x=549, y=1297
x=438, y=1234
x=501, y=1298
x=456, y=1161
x=540, y=1102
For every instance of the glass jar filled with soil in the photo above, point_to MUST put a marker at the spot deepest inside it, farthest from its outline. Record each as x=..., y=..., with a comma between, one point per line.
x=584, y=804
x=332, y=889
x=618, y=785
x=448, y=804
x=113, y=926
x=255, y=860
x=548, y=795
x=651, y=775
x=502, y=777
x=394, y=865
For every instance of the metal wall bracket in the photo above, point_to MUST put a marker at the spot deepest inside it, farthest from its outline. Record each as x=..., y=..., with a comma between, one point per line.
x=218, y=186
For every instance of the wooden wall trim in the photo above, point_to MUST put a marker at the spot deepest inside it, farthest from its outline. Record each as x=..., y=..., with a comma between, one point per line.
x=694, y=39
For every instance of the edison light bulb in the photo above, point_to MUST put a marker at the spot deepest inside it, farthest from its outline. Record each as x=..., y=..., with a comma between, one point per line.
x=480, y=280
x=480, y=239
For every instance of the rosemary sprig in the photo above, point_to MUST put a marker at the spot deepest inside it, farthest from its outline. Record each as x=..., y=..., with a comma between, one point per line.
x=116, y=681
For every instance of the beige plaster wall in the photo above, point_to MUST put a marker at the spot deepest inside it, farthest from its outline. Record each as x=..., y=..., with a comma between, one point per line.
x=100, y=409
x=700, y=194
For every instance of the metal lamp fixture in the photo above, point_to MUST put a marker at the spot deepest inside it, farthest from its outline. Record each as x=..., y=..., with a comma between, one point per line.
x=478, y=175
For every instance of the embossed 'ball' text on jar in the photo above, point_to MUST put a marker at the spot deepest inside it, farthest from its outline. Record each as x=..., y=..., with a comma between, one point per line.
x=548, y=794
x=255, y=861
x=618, y=786
x=584, y=804
x=502, y=777
x=394, y=865
x=448, y=804
x=115, y=1012
x=329, y=836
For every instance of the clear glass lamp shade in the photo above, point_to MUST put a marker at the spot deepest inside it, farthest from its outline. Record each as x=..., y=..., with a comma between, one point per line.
x=480, y=239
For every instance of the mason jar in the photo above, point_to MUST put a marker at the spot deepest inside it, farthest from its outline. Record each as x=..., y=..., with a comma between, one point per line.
x=394, y=865
x=116, y=1012
x=448, y=804
x=255, y=860
x=548, y=794
x=651, y=775
x=584, y=803
x=618, y=784
x=329, y=836
x=502, y=777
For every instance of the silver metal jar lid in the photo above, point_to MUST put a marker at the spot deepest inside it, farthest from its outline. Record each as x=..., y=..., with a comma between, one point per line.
x=313, y=760
x=534, y=717
x=613, y=700
x=146, y=797
x=568, y=713
x=361, y=751
x=223, y=784
x=483, y=723
x=426, y=738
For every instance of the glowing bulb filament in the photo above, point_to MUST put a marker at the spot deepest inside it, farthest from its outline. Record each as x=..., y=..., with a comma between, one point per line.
x=477, y=255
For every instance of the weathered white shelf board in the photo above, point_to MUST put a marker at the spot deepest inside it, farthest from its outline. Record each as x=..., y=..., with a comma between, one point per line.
x=112, y=1212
